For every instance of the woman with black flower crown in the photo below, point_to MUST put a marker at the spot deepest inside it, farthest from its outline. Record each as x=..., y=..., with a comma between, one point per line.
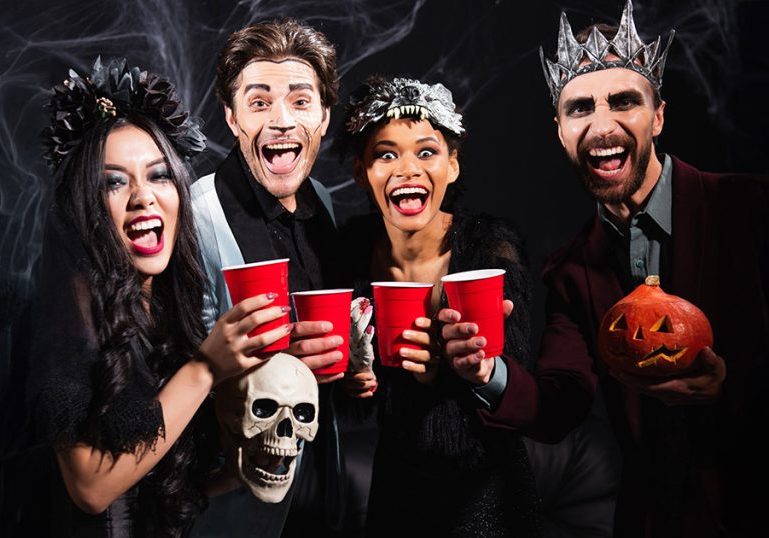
x=120, y=360
x=446, y=463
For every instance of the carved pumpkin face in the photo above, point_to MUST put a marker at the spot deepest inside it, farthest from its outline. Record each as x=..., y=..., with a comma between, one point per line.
x=651, y=333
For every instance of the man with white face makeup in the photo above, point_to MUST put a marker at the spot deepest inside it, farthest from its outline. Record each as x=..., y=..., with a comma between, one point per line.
x=277, y=81
x=689, y=468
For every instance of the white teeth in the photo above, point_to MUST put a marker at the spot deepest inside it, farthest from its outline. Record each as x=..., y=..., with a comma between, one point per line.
x=408, y=190
x=403, y=110
x=606, y=152
x=275, y=451
x=145, y=225
x=288, y=145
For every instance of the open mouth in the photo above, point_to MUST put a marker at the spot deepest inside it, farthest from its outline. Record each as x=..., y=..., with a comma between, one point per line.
x=281, y=157
x=662, y=353
x=270, y=465
x=409, y=199
x=146, y=235
x=608, y=162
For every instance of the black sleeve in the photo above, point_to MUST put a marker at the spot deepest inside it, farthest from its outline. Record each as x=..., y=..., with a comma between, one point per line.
x=484, y=242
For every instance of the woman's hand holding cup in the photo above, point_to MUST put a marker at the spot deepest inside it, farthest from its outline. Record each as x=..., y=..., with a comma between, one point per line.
x=229, y=350
x=464, y=349
x=421, y=362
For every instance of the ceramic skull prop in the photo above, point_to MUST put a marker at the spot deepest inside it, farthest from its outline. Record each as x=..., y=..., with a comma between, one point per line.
x=265, y=413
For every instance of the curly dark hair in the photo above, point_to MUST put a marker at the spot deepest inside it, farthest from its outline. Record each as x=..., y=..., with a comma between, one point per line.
x=277, y=40
x=130, y=339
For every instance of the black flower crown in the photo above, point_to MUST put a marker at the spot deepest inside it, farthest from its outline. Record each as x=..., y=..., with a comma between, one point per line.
x=115, y=90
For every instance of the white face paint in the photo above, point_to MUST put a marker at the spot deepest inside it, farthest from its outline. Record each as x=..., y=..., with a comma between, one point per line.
x=264, y=413
x=279, y=120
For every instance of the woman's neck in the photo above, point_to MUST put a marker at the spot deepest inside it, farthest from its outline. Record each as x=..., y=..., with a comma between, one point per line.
x=419, y=256
x=408, y=248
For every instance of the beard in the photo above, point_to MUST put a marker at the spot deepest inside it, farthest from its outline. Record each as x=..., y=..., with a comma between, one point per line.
x=607, y=192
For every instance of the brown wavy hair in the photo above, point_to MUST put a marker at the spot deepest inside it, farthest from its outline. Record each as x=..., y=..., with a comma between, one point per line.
x=277, y=40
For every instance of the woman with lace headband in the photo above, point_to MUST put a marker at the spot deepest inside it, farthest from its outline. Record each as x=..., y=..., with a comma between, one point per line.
x=444, y=465
x=119, y=363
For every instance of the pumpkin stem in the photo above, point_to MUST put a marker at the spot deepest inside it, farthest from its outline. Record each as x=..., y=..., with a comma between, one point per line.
x=652, y=280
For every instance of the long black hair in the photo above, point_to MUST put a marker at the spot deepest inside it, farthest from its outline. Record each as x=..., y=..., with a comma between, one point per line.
x=136, y=343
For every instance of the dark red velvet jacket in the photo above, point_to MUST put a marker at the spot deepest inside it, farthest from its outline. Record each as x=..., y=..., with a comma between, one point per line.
x=694, y=471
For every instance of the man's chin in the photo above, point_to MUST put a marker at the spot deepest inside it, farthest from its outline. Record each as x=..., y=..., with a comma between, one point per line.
x=610, y=190
x=282, y=185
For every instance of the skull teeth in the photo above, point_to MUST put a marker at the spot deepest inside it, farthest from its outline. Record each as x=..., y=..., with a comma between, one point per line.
x=269, y=477
x=277, y=451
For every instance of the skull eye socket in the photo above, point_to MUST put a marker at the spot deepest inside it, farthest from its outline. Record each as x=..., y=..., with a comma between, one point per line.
x=264, y=408
x=304, y=412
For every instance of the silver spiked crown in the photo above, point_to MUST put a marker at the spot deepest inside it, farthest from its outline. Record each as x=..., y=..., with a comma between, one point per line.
x=575, y=58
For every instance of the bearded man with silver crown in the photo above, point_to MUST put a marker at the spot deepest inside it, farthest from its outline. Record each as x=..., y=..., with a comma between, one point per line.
x=689, y=467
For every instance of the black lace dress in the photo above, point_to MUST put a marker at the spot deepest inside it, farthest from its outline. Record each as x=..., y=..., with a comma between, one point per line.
x=63, y=353
x=438, y=470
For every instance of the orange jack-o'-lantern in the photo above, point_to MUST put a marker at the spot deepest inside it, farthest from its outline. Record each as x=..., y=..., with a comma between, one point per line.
x=651, y=333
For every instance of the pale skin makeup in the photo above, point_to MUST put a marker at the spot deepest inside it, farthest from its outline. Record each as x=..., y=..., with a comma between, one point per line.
x=407, y=166
x=137, y=185
x=279, y=119
x=141, y=198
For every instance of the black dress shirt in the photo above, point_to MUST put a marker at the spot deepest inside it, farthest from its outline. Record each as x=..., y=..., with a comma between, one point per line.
x=264, y=229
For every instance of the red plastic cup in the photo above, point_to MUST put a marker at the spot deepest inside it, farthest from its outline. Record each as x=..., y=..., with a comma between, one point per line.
x=249, y=280
x=396, y=306
x=477, y=295
x=327, y=305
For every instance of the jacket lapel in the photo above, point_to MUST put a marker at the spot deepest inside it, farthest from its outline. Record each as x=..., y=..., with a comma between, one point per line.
x=693, y=224
x=244, y=215
x=603, y=286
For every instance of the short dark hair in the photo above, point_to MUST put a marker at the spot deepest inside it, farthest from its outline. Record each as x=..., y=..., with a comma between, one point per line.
x=277, y=40
x=609, y=31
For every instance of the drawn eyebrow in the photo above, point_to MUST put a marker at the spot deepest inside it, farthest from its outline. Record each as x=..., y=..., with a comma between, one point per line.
x=299, y=86
x=110, y=166
x=388, y=143
x=427, y=139
x=626, y=95
x=586, y=102
x=256, y=86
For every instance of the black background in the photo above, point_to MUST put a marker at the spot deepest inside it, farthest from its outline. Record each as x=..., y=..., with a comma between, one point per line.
x=485, y=51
